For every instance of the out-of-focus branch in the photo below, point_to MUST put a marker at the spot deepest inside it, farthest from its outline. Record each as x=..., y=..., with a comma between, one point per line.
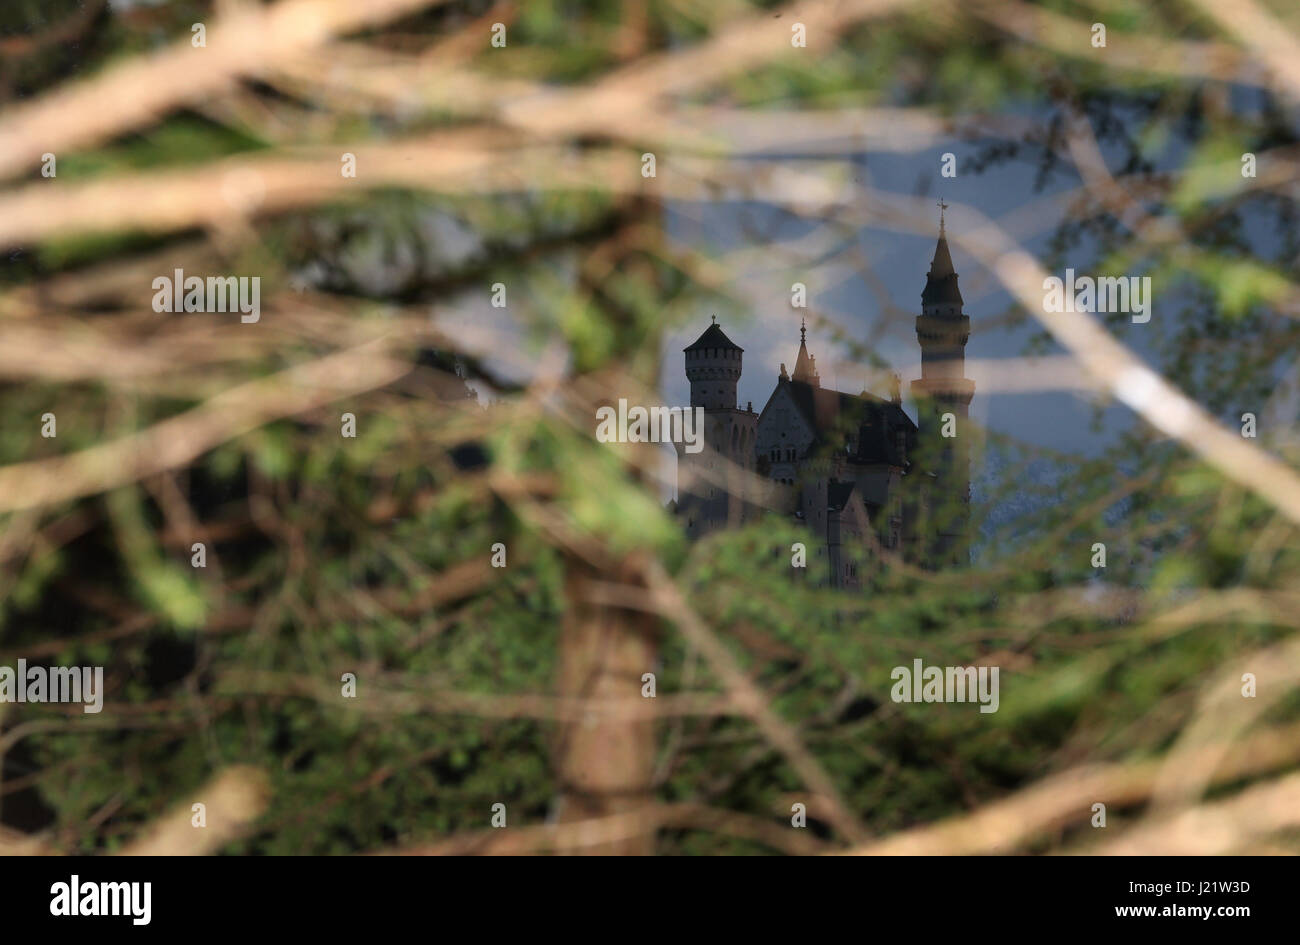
x=605, y=831
x=1222, y=714
x=230, y=190
x=1005, y=825
x=1268, y=39
x=1147, y=393
x=180, y=439
x=749, y=699
x=15, y=843
x=140, y=91
x=233, y=800
x=1142, y=54
x=384, y=696
x=1214, y=829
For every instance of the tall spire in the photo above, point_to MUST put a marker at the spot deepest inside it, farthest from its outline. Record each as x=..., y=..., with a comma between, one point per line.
x=805, y=366
x=941, y=280
x=943, y=390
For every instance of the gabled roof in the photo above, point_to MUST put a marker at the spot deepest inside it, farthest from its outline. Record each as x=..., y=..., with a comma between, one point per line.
x=870, y=420
x=713, y=338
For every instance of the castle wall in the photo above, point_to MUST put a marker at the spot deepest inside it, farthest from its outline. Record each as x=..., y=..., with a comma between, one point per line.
x=783, y=435
x=714, y=485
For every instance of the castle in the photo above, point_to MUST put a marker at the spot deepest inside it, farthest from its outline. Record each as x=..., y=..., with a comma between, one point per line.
x=853, y=469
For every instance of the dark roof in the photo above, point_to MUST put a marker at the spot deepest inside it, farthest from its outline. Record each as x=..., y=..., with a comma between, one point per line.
x=827, y=409
x=837, y=493
x=941, y=281
x=713, y=338
x=877, y=438
x=834, y=415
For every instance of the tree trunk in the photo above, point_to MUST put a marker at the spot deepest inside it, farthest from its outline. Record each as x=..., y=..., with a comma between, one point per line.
x=605, y=763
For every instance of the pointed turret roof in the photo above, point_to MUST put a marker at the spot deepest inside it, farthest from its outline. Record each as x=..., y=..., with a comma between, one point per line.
x=713, y=337
x=941, y=281
x=805, y=365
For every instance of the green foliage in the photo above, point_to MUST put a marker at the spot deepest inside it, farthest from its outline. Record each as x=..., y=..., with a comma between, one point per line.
x=330, y=556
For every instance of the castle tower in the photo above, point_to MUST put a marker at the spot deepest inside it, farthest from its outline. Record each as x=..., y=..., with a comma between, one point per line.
x=943, y=388
x=713, y=367
x=713, y=485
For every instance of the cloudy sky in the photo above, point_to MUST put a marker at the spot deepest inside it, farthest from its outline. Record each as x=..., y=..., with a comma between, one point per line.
x=872, y=293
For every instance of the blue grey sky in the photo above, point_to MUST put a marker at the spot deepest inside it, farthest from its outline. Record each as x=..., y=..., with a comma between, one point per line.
x=876, y=296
